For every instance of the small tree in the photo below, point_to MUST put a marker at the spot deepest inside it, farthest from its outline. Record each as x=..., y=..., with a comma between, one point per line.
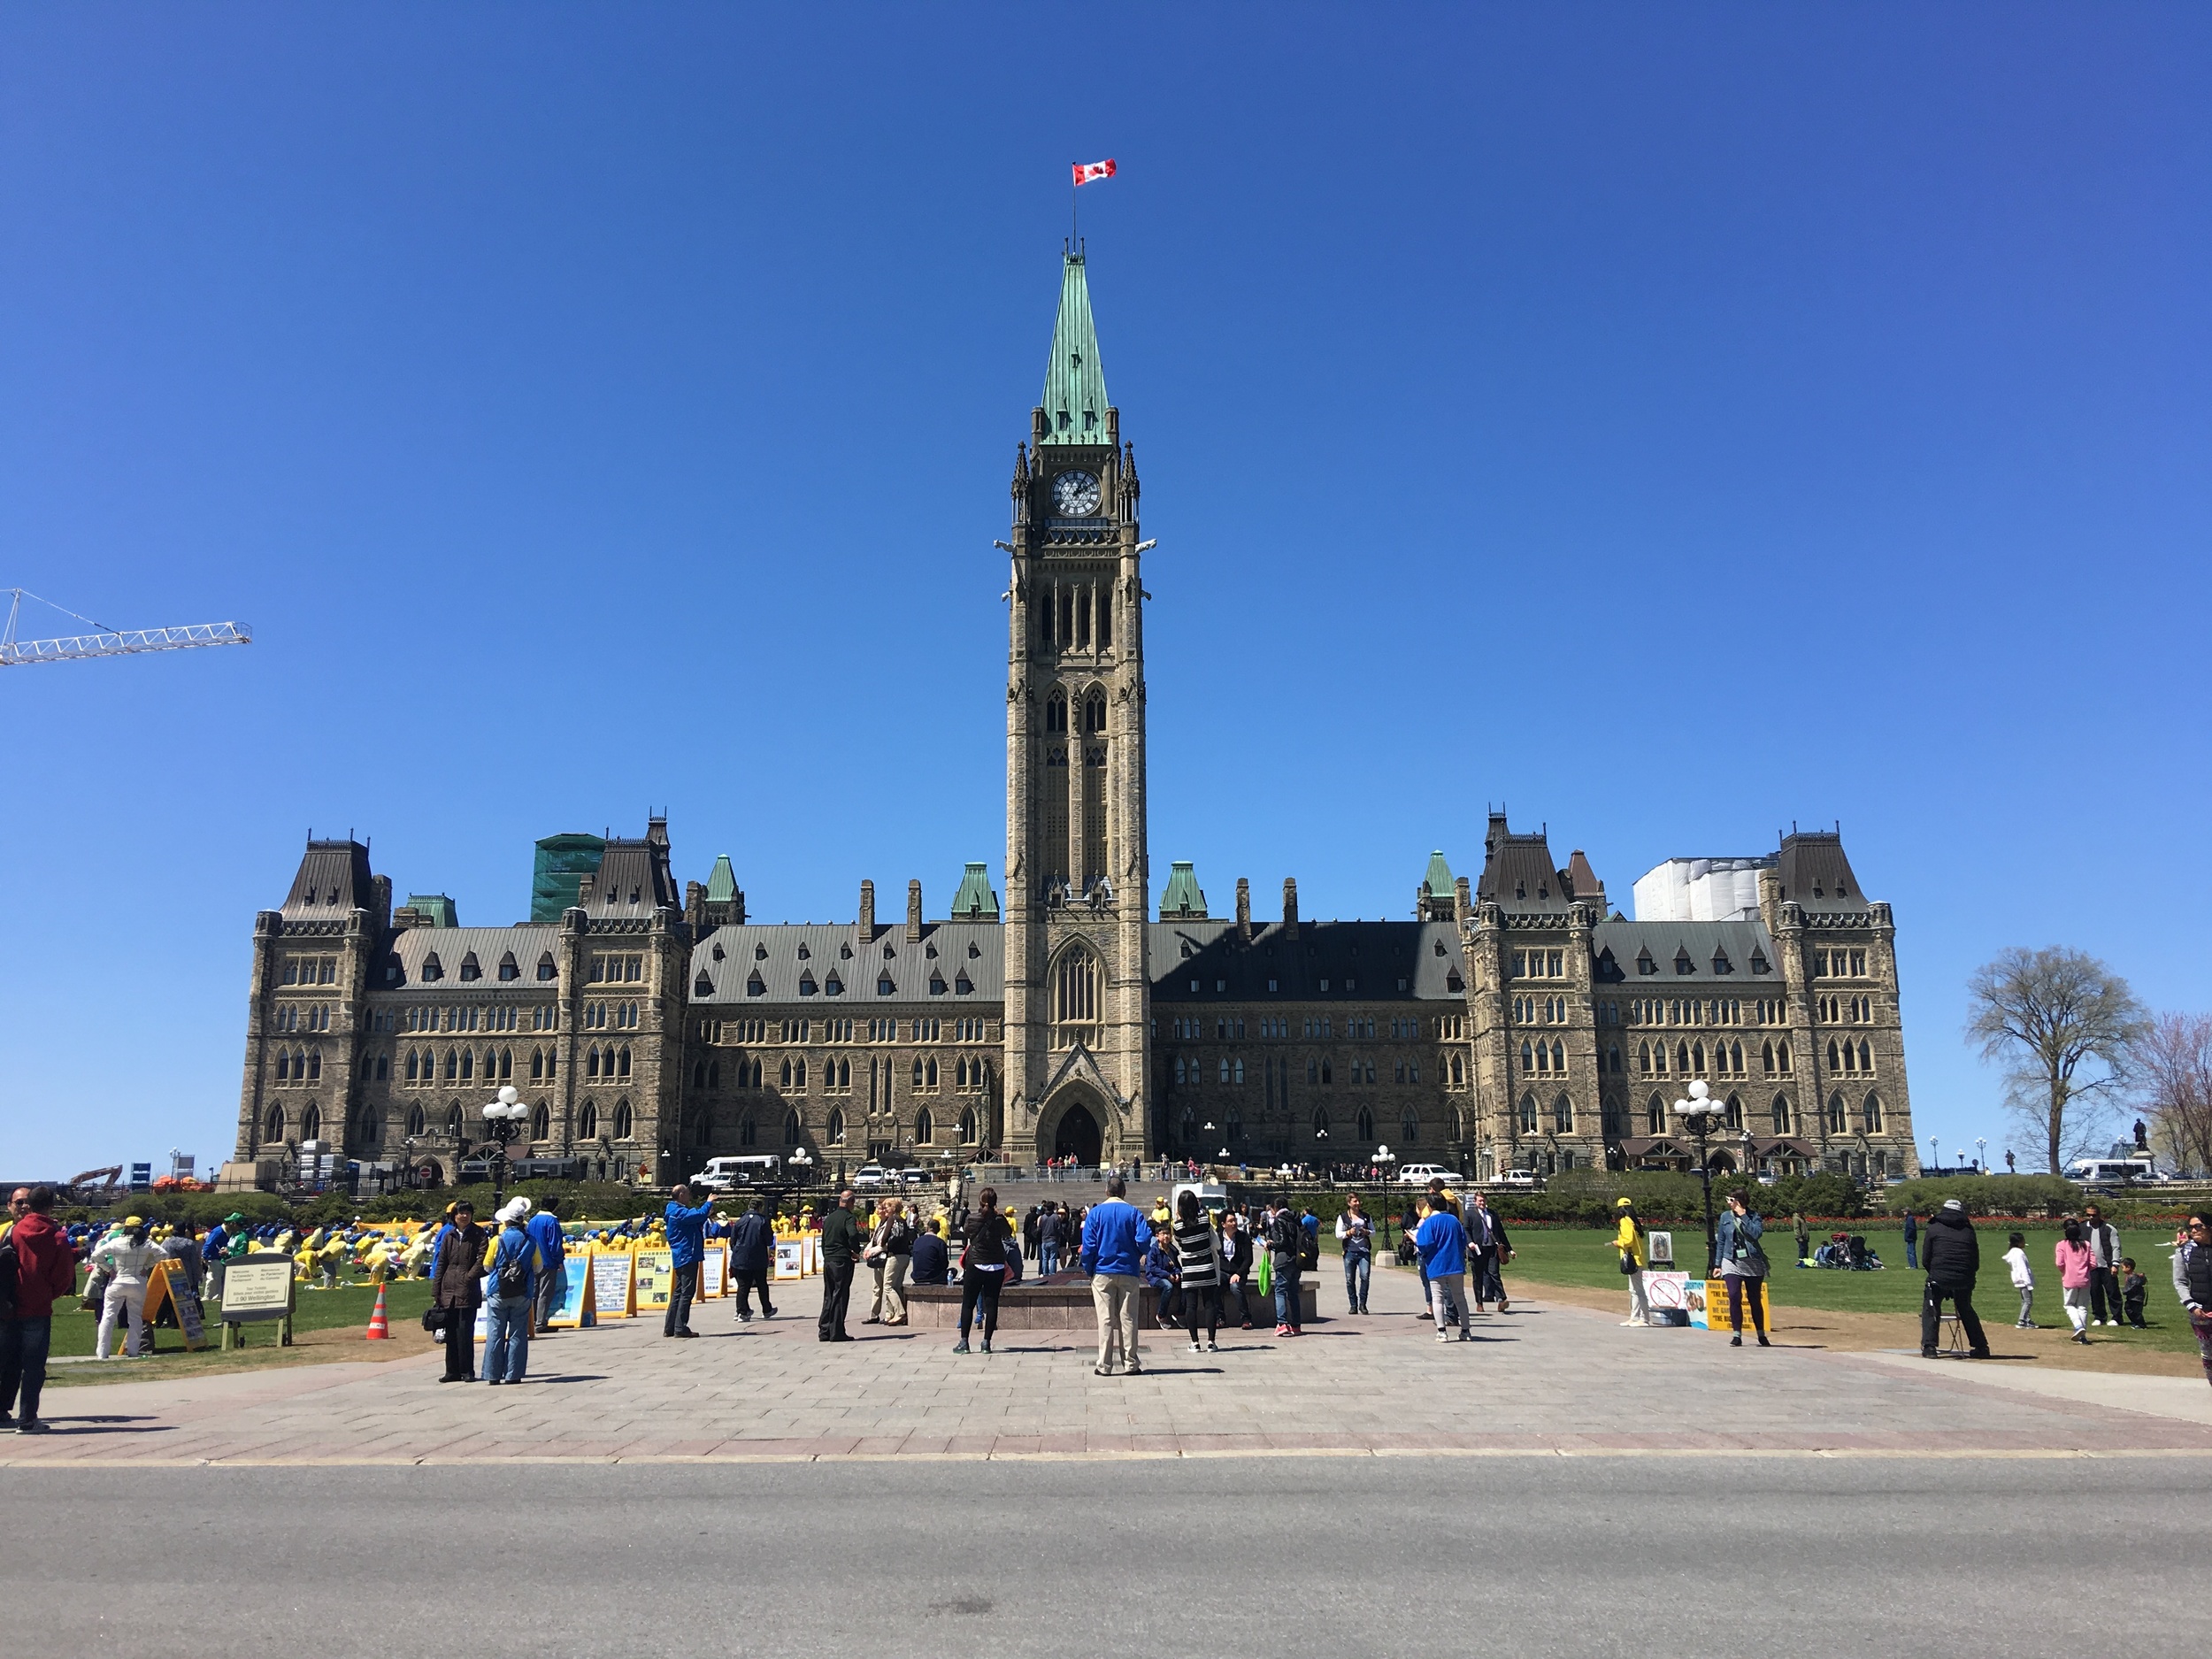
x=2043, y=1015
x=2171, y=1071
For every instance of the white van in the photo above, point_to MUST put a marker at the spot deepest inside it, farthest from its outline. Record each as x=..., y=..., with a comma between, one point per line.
x=1422, y=1174
x=2111, y=1172
x=1515, y=1181
x=1213, y=1197
x=722, y=1174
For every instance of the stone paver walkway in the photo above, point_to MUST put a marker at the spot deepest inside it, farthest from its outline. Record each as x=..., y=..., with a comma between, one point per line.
x=1546, y=1379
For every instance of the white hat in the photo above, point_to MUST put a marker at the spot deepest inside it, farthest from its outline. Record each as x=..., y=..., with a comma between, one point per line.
x=516, y=1208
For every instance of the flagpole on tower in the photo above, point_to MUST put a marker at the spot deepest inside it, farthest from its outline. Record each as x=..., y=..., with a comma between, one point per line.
x=1075, y=185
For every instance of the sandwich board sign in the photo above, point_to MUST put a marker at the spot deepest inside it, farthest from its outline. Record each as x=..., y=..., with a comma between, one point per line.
x=611, y=1284
x=790, y=1261
x=573, y=1310
x=257, y=1286
x=714, y=1271
x=656, y=1276
x=169, y=1286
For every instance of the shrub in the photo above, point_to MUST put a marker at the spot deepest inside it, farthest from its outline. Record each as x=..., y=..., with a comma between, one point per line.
x=1987, y=1195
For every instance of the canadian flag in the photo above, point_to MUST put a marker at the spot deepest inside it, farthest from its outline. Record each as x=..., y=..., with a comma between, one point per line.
x=1089, y=172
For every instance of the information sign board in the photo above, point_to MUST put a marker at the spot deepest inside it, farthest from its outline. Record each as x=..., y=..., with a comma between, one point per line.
x=257, y=1287
x=656, y=1275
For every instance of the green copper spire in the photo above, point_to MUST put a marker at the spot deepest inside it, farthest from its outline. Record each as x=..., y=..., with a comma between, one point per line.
x=975, y=901
x=1183, y=901
x=1438, y=882
x=721, y=880
x=1075, y=383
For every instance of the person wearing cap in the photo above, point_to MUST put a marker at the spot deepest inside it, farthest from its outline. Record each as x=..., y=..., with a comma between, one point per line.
x=457, y=1289
x=545, y=1232
x=513, y=1273
x=1629, y=1241
x=1952, y=1257
x=128, y=1256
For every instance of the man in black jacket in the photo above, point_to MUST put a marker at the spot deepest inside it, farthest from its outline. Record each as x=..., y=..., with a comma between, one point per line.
x=1953, y=1256
x=752, y=1261
x=841, y=1242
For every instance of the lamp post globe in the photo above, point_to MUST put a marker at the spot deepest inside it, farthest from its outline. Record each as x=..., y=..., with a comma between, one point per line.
x=1698, y=1114
x=1981, y=1153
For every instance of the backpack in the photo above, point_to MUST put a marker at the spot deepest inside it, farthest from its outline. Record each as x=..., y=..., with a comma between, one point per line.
x=1284, y=1232
x=510, y=1276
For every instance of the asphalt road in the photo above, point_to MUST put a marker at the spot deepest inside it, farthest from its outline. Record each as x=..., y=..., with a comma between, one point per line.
x=1277, y=1556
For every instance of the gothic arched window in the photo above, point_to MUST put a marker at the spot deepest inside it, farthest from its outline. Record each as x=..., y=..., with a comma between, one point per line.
x=623, y=1122
x=587, y=1122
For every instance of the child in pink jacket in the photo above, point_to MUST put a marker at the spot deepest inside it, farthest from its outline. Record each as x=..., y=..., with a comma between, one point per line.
x=2073, y=1277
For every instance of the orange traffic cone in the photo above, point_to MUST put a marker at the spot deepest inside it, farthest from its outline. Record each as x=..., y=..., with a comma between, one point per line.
x=379, y=1327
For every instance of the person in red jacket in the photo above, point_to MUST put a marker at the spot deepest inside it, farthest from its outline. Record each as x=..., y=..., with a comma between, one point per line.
x=45, y=1268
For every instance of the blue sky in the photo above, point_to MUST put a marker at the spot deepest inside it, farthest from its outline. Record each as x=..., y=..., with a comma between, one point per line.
x=1672, y=423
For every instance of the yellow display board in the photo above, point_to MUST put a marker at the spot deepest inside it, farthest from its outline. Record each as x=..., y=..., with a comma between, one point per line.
x=655, y=1274
x=1716, y=1310
x=613, y=1284
x=168, y=1286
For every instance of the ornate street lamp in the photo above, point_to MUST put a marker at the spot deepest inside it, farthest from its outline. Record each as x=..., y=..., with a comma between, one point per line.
x=1935, y=1150
x=1981, y=1152
x=1384, y=1158
x=502, y=1121
x=1700, y=1114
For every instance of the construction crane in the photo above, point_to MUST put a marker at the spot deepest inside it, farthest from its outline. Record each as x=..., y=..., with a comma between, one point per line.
x=108, y=641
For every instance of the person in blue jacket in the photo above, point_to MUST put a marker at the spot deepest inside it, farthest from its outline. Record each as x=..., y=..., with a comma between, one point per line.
x=687, y=1243
x=752, y=1242
x=1116, y=1237
x=545, y=1231
x=1443, y=1242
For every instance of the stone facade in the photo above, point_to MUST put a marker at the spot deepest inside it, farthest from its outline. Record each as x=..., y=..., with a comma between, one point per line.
x=1517, y=1023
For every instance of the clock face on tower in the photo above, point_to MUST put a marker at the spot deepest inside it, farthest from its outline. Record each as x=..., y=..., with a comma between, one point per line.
x=1075, y=494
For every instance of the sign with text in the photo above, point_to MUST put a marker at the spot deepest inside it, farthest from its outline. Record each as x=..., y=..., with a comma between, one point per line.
x=790, y=1259
x=610, y=1284
x=1715, y=1314
x=714, y=1275
x=168, y=1286
x=656, y=1272
x=257, y=1287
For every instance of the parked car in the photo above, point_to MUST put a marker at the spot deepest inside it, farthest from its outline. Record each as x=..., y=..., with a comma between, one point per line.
x=546, y=1168
x=1422, y=1174
x=914, y=1175
x=870, y=1177
x=1515, y=1181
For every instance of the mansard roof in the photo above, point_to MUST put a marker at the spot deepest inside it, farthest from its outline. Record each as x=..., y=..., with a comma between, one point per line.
x=1518, y=871
x=788, y=957
x=412, y=948
x=1814, y=873
x=333, y=879
x=1437, y=880
x=1700, y=943
x=632, y=879
x=1362, y=962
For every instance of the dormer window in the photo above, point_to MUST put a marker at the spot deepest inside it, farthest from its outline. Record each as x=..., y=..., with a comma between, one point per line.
x=936, y=985
x=974, y=950
x=804, y=952
x=753, y=986
x=547, y=971
x=1520, y=889
x=1644, y=963
x=834, y=986
x=1759, y=963
x=1439, y=947
x=472, y=969
x=888, y=953
x=509, y=969
x=886, y=987
x=806, y=985
x=1682, y=963
x=963, y=985
x=432, y=968
x=702, y=986
x=1453, y=983
x=1817, y=892
x=1721, y=964
x=634, y=896
x=844, y=953
x=1186, y=947
x=1543, y=890
x=929, y=950
x=718, y=953
x=760, y=953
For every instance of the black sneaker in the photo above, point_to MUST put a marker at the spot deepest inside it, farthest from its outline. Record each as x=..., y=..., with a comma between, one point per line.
x=34, y=1426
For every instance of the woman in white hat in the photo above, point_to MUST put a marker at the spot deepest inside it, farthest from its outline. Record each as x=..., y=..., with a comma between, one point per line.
x=128, y=1254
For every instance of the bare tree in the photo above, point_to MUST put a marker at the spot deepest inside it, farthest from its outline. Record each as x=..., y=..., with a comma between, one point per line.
x=2043, y=1015
x=2172, y=1078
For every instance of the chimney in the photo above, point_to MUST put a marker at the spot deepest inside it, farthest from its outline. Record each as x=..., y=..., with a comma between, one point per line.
x=913, y=911
x=867, y=910
x=656, y=829
x=1244, y=909
x=1462, y=908
x=1290, y=907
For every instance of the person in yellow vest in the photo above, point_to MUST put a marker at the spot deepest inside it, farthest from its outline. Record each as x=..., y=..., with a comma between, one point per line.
x=1162, y=1216
x=1628, y=1239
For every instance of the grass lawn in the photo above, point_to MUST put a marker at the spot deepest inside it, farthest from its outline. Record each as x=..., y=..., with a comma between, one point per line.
x=1584, y=1257
x=338, y=1310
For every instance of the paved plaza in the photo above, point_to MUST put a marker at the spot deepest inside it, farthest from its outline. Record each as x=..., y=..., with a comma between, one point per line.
x=1546, y=1379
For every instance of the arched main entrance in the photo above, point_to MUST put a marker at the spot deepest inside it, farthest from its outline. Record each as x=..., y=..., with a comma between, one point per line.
x=1077, y=1136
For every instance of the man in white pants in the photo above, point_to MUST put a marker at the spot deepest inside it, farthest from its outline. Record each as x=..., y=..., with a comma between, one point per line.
x=1114, y=1239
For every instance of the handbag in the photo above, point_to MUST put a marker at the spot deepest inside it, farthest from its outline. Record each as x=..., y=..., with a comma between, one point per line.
x=1627, y=1266
x=434, y=1322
